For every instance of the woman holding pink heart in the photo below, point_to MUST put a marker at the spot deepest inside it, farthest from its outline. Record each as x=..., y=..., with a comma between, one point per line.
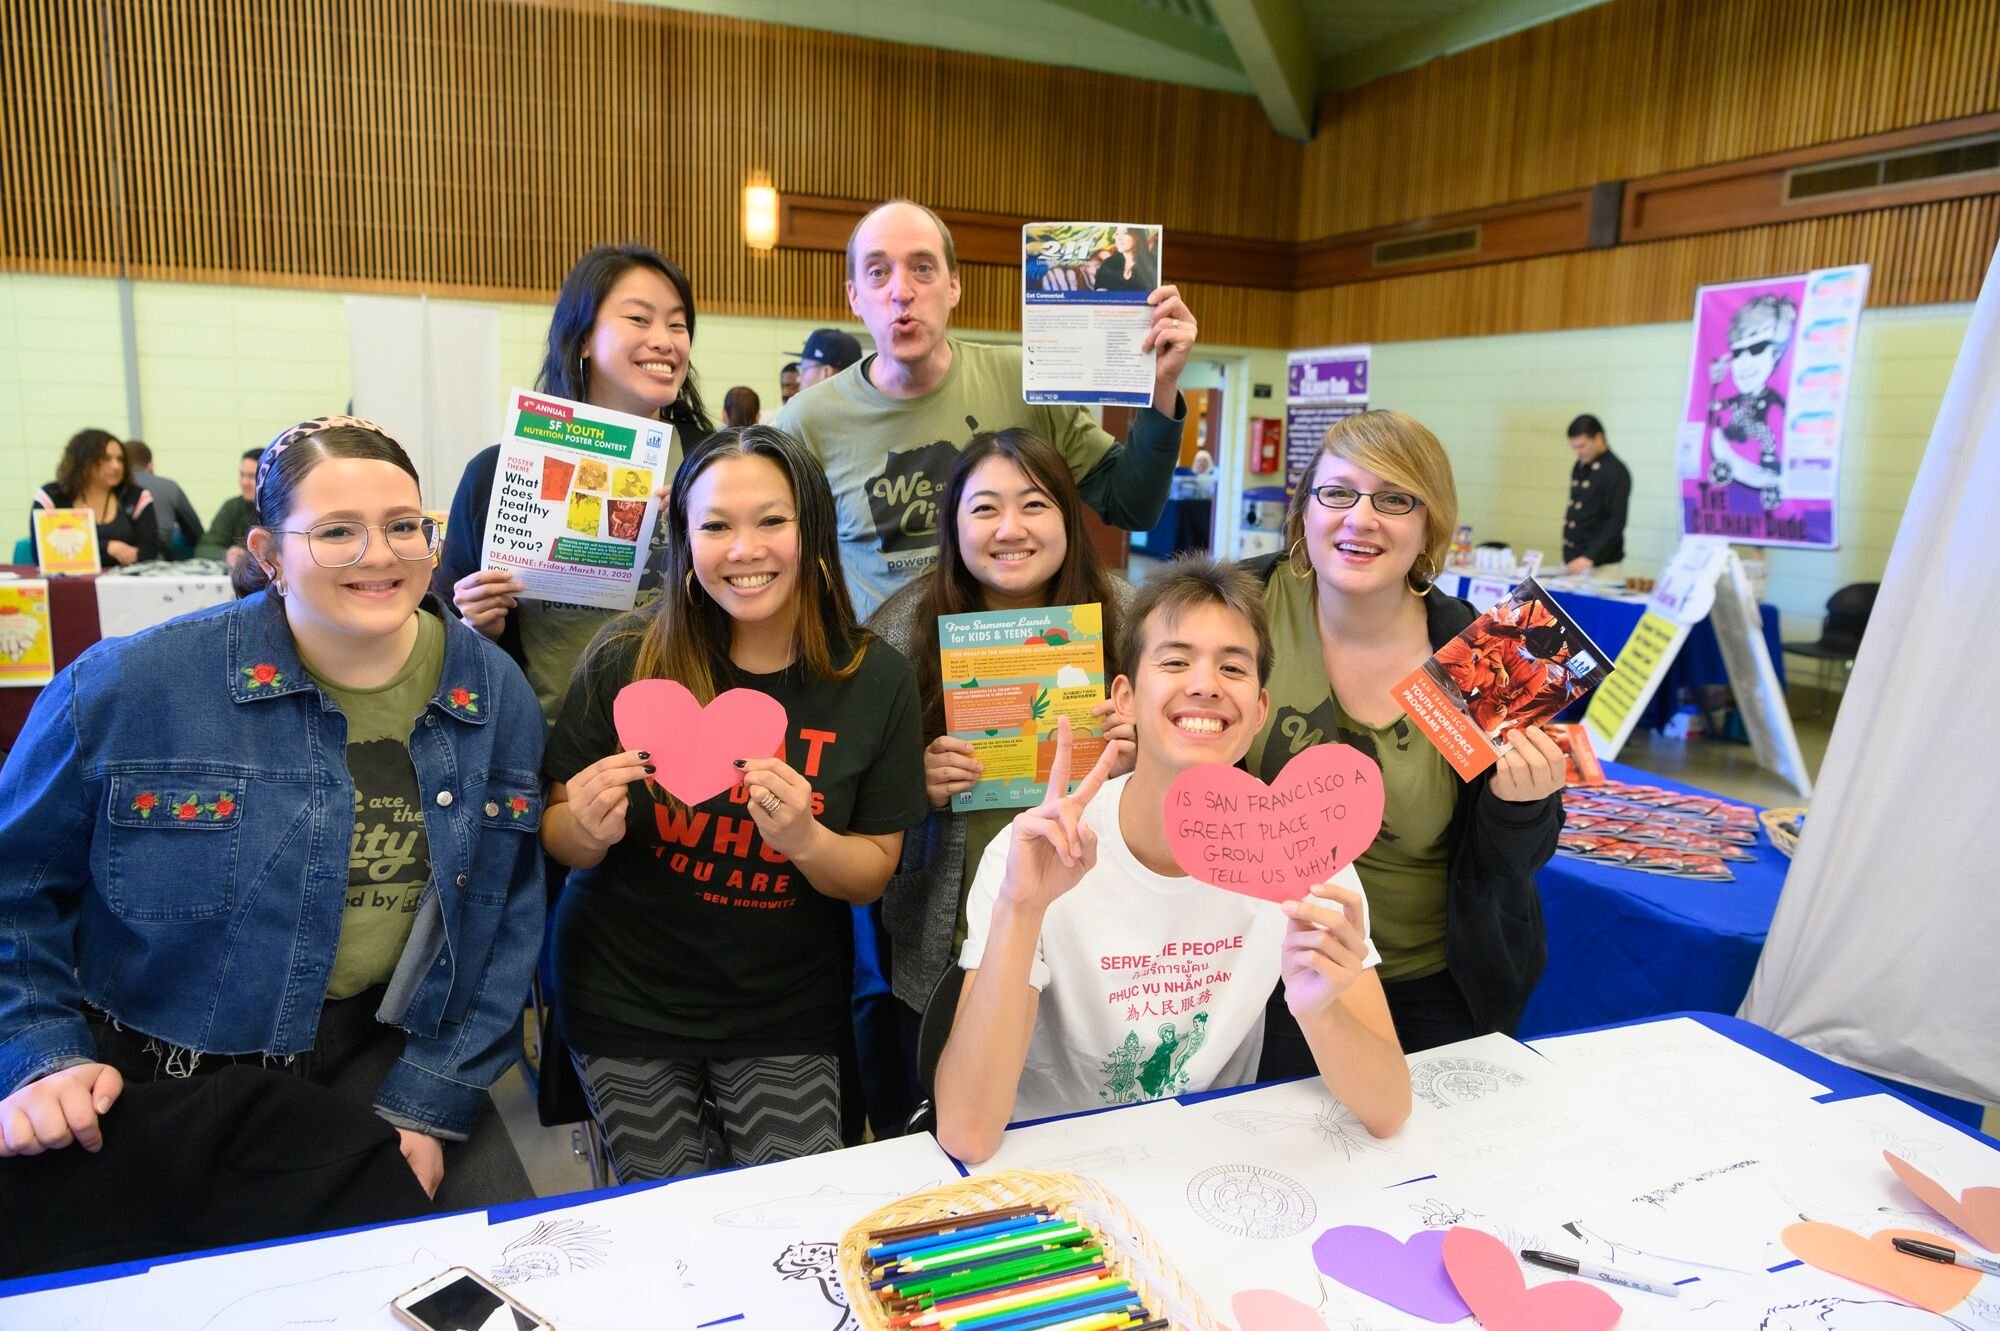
x=1451, y=877
x=701, y=948
x=1015, y=540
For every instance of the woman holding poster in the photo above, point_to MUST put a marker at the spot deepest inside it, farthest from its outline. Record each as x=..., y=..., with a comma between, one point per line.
x=621, y=337
x=1451, y=878
x=326, y=862
x=701, y=947
x=92, y=476
x=1015, y=541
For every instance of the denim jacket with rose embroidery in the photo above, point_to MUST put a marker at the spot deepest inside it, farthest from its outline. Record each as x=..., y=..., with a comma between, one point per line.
x=174, y=835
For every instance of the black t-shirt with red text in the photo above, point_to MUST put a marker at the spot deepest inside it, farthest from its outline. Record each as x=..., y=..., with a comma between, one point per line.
x=693, y=938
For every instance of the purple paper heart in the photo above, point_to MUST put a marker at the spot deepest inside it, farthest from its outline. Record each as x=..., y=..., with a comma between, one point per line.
x=1409, y=1276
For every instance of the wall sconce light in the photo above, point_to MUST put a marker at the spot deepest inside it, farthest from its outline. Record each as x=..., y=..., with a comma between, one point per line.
x=760, y=213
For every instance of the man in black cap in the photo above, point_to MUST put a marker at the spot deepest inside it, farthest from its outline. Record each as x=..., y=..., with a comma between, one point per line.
x=1600, y=489
x=828, y=351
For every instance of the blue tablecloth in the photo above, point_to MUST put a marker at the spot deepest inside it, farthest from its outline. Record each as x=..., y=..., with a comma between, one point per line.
x=1610, y=622
x=1625, y=945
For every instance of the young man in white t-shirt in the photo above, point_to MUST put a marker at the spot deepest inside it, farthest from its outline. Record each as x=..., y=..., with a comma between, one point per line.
x=1141, y=982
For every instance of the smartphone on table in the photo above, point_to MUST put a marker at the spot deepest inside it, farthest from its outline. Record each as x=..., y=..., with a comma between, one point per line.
x=460, y=1300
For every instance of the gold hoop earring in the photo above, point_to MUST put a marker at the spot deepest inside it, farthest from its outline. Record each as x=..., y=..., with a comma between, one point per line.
x=1292, y=561
x=1422, y=569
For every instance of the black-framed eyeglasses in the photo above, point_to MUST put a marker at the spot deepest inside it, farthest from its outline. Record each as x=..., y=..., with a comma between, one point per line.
x=340, y=543
x=1389, y=503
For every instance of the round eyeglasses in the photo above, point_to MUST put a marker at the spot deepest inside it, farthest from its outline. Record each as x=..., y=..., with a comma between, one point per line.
x=340, y=543
x=1390, y=503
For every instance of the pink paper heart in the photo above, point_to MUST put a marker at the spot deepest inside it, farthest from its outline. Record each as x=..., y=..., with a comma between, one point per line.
x=1230, y=830
x=1874, y=1262
x=694, y=747
x=1489, y=1279
x=1268, y=1310
x=1976, y=1210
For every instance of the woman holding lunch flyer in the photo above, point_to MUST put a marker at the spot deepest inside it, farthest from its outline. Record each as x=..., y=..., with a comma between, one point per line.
x=1451, y=878
x=622, y=338
x=701, y=952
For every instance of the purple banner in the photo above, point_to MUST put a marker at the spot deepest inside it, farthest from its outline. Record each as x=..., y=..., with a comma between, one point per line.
x=1322, y=386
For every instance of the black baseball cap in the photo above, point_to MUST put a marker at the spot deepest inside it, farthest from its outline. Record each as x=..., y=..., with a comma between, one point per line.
x=830, y=346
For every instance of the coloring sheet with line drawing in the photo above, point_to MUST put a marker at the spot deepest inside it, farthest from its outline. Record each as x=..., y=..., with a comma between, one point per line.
x=1095, y=1145
x=1680, y=1043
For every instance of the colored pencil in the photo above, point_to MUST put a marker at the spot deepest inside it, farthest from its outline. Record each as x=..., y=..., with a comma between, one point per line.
x=1118, y=1310
x=1023, y=1300
x=1048, y=1238
x=948, y=1283
x=950, y=1222
x=886, y=1252
x=1048, y=1311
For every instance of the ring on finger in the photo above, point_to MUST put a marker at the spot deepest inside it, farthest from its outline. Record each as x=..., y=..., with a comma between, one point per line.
x=770, y=802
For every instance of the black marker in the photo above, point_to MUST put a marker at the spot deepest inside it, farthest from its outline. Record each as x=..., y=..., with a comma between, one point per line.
x=1934, y=1252
x=1591, y=1271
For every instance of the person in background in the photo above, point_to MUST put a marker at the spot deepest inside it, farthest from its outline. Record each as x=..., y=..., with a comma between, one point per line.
x=740, y=406
x=827, y=352
x=230, y=530
x=621, y=336
x=92, y=476
x=1600, y=490
x=1451, y=877
x=327, y=862
x=180, y=527
x=788, y=382
x=701, y=952
x=1015, y=539
x=1082, y=899
x=889, y=427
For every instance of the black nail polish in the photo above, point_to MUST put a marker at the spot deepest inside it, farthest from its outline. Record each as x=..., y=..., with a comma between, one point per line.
x=739, y=764
x=650, y=769
x=643, y=755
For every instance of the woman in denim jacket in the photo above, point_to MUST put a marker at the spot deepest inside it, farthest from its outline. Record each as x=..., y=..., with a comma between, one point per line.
x=297, y=830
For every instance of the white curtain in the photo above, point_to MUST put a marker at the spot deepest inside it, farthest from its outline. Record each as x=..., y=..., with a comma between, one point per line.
x=429, y=373
x=1884, y=951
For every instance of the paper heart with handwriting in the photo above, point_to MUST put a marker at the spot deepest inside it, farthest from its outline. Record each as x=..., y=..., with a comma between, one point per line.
x=1268, y=1310
x=1230, y=830
x=695, y=748
x=1874, y=1262
x=1976, y=1210
x=1488, y=1277
x=1406, y=1275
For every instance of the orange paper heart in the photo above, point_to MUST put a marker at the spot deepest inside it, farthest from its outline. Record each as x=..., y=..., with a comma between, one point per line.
x=1976, y=1210
x=1876, y=1263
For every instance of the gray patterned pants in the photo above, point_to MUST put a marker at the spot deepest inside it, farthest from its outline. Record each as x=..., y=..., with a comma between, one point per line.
x=651, y=1110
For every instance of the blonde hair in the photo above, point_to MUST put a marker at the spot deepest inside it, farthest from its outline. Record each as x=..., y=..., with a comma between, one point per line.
x=1402, y=452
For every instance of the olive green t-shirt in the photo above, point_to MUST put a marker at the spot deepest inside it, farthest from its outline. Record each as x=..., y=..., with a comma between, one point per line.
x=389, y=858
x=1404, y=870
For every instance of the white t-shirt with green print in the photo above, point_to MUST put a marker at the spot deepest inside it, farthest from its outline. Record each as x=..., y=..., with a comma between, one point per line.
x=1150, y=986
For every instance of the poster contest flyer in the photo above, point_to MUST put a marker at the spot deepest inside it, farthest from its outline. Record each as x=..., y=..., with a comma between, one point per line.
x=573, y=510
x=1517, y=665
x=1008, y=675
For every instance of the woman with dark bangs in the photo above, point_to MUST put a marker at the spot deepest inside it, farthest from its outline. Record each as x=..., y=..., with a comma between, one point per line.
x=701, y=952
x=1016, y=540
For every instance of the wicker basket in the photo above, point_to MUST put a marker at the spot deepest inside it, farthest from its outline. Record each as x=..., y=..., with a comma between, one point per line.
x=1129, y=1249
x=1777, y=826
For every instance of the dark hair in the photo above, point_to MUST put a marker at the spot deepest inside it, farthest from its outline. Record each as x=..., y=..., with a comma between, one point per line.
x=251, y=455
x=952, y=590
x=138, y=455
x=1188, y=583
x=944, y=234
x=685, y=636
x=288, y=459
x=740, y=407
x=590, y=280
x=85, y=449
x=789, y=367
x=1585, y=426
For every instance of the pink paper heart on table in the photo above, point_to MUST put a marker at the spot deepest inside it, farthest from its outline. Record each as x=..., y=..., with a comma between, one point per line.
x=1268, y=1310
x=1874, y=1262
x=695, y=748
x=1408, y=1276
x=1230, y=830
x=1976, y=1210
x=1488, y=1278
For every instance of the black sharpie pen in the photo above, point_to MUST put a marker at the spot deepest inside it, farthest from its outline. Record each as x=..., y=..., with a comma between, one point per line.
x=1592, y=1271
x=1937, y=1252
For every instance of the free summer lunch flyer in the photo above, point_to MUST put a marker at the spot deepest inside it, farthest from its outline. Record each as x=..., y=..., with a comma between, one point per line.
x=573, y=510
x=1084, y=312
x=1008, y=674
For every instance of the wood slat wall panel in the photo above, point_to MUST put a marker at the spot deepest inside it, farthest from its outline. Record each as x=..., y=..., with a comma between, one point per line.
x=56, y=199
x=1636, y=88
x=1922, y=255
